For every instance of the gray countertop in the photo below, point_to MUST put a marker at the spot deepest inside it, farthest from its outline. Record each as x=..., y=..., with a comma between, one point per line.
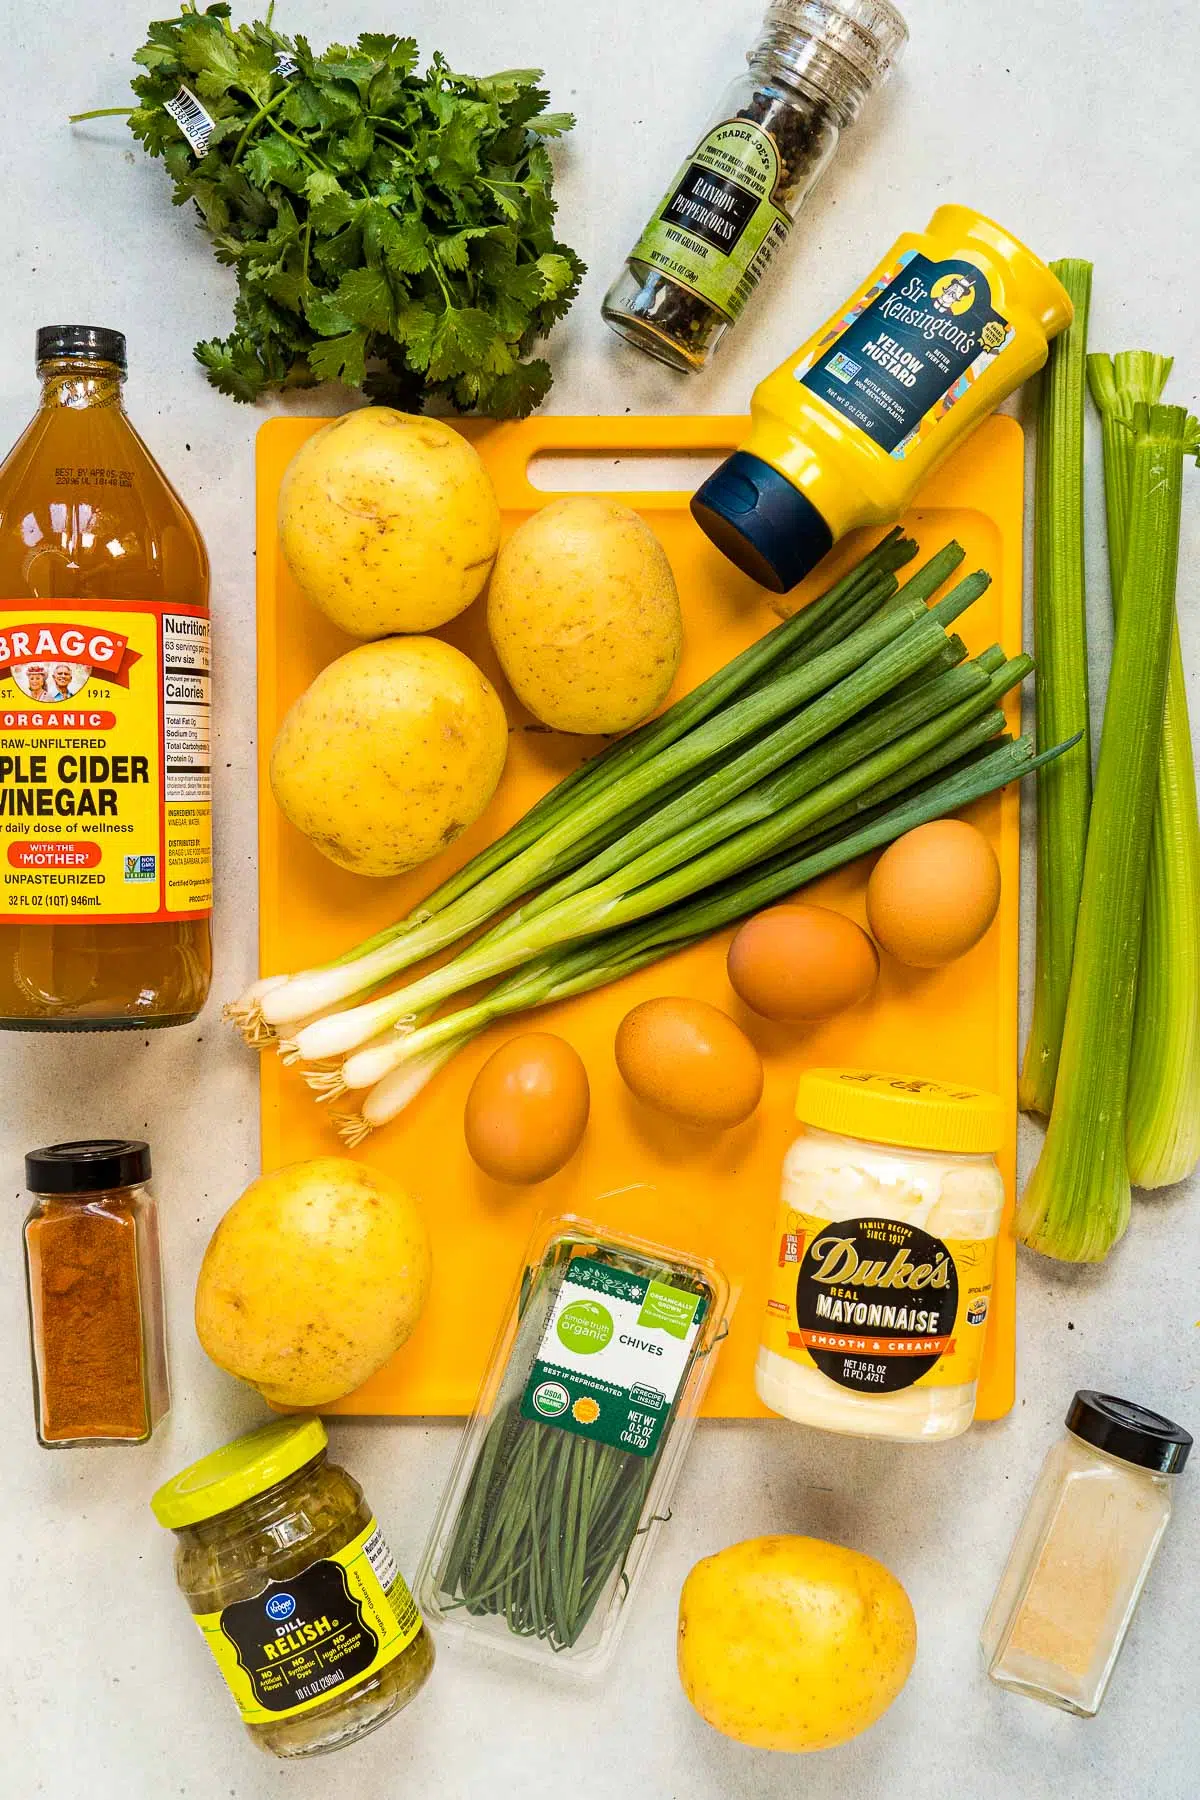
x=1075, y=125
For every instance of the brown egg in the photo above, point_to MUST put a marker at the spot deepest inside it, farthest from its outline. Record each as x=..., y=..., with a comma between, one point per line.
x=800, y=962
x=933, y=893
x=689, y=1060
x=527, y=1109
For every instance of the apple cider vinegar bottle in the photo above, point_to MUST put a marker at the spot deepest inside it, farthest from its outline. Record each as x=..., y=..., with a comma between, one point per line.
x=105, y=814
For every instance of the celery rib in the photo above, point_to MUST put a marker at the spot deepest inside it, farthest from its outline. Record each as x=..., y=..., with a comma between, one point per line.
x=1076, y=1203
x=1060, y=651
x=1163, y=1128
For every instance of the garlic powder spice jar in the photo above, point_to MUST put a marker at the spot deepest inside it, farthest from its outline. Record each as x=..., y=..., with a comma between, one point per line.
x=1083, y=1552
x=882, y=1257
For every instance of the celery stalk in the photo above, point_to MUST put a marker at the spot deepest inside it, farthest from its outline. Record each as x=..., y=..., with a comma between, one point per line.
x=1060, y=652
x=1076, y=1204
x=1162, y=1137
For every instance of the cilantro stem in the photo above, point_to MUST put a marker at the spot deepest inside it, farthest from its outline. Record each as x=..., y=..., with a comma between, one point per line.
x=103, y=112
x=314, y=163
x=405, y=150
x=440, y=278
x=263, y=111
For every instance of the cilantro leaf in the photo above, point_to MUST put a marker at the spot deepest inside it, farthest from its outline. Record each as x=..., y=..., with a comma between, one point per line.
x=389, y=228
x=340, y=359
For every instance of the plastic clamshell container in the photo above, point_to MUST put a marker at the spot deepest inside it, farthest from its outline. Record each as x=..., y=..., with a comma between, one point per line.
x=557, y=1245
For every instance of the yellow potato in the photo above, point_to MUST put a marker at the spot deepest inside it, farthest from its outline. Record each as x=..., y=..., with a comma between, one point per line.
x=313, y=1278
x=584, y=614
x=790, y=1643
x=391, y=753
x=388, y=522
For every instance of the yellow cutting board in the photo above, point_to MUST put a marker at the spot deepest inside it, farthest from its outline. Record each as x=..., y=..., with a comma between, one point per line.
x=713, y=1194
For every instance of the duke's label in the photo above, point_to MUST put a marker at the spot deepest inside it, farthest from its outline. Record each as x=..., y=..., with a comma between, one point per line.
x=878, y=1304
x=326, y=1627
x=717, y=229
x=105, y=761
x=908, y=350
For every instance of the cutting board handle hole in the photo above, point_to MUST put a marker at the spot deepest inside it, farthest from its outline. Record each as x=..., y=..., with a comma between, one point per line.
x=637, y=471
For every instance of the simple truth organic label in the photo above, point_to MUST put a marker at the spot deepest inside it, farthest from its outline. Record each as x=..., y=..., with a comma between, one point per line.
x=613, y=1355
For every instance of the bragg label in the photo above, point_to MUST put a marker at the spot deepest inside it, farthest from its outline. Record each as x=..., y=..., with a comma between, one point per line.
x=878, y=1304
x=105, y=776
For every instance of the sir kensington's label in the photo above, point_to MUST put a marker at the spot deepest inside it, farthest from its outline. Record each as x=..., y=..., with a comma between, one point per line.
x=105, y=762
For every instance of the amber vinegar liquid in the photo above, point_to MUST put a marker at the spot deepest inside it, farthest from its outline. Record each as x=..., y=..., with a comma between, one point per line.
x=88, y=525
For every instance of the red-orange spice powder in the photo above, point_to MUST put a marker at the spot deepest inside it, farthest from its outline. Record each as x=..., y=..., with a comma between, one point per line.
x=83, y=1277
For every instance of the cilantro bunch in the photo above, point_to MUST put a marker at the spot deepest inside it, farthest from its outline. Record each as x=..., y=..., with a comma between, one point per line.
x=389, y=229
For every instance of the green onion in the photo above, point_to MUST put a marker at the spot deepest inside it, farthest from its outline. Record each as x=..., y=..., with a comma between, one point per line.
x=1162, y=1136
x=596, y=807
x=592, y=963
x=817, y=628
x=1060, y=650
x=766, y=808
x=1076, y=1204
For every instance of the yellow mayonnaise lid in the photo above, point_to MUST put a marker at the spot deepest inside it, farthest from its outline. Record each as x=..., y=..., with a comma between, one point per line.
x=896, y=1109
x=238, y=1471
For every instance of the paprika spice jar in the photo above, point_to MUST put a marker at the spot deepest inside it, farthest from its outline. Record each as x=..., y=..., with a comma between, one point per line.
x=94, y=1279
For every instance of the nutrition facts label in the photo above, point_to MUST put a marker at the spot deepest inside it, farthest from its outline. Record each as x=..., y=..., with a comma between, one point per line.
x=187, y=708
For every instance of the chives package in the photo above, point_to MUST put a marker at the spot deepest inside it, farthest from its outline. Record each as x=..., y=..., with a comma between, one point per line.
x=568, y=1461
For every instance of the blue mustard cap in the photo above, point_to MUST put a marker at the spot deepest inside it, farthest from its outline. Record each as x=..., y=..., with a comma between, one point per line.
x=763, y=524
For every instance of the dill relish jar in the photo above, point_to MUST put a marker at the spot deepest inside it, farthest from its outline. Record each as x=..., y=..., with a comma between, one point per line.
x=731, y=205
x=295, y=1590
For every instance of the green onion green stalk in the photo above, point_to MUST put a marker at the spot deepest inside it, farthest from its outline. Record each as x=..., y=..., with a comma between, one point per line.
x=592, y=963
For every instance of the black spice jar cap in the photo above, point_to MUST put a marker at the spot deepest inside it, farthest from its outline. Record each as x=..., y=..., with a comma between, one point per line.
x=1125, y=1429
x=765, y=526
x=88, y=343
x=91, y=1166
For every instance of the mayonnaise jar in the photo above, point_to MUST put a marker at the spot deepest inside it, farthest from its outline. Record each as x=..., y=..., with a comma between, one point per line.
x=882, y=1259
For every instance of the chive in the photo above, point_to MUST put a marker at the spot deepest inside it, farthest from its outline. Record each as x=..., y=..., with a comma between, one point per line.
x=1060, y=650
x=1076, y=1204
x=1162, y=1138
x=568, y=1507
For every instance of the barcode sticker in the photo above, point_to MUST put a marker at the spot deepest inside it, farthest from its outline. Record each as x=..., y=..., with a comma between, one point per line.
x=286, y=65
x=191, y=118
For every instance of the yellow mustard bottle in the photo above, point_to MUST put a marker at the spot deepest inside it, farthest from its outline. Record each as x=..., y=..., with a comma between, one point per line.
x=843, y=433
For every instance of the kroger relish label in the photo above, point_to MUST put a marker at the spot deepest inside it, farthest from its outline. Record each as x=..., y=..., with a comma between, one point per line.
x=878, y=1304
x=105, y=774
x=613, y=1355
x=721, y=222
x=334, y=1623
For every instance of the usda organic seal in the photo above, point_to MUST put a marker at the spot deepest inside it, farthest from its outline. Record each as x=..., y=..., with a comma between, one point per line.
x=551, y=1398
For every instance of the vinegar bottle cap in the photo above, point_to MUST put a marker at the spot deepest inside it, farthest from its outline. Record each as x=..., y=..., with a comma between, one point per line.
x=82, y=343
